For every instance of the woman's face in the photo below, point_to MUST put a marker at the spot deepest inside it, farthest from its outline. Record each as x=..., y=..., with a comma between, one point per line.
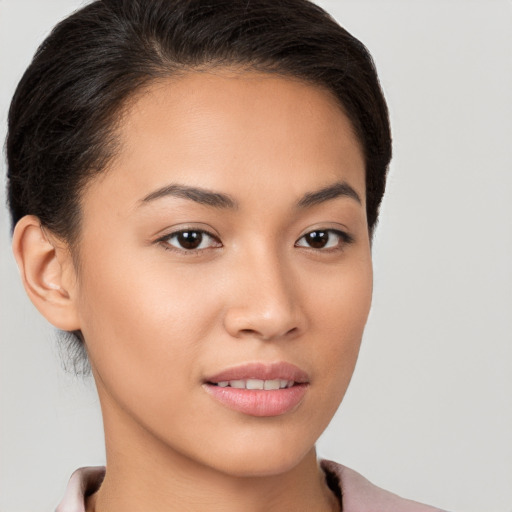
x=226, y=247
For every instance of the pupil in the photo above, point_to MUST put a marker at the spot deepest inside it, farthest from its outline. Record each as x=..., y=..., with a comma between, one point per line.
x=190, y=239
x=317, y=239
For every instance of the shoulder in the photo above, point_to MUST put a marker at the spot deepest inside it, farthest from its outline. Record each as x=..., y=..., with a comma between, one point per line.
x=360, y=495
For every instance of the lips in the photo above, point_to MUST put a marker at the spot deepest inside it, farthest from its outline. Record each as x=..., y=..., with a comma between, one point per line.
x=261, y=371
x=259, y=389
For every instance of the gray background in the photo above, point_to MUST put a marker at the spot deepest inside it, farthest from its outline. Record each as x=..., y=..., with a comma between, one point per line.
x=429, y=412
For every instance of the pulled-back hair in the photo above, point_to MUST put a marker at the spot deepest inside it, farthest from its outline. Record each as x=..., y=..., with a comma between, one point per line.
x=63, y=117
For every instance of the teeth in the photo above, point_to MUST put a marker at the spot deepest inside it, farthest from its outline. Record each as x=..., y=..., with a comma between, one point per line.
x=271, y=384
x=254, y=384
x=257, y=384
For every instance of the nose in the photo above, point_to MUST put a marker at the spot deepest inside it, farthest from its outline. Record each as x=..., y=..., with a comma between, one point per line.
x=264, y=300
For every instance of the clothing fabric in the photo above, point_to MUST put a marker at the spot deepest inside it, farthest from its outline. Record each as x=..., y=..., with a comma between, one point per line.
x=356, y=494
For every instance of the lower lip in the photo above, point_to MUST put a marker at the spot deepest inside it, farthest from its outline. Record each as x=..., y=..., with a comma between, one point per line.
x=256, y=402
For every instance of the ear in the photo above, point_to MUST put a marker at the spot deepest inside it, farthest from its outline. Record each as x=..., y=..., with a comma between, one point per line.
x=47, y=272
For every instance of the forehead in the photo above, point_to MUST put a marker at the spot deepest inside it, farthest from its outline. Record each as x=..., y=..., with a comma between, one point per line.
x=234, y=131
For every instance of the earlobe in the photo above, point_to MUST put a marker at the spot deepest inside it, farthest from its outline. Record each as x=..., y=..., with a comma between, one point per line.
x=45, y=268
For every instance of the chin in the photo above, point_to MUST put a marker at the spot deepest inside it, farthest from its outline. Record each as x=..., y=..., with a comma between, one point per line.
x=261, y=458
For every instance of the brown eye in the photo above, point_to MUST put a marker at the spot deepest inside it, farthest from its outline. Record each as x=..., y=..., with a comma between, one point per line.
x=191, y=239
x=317, y=239
x=324, y=239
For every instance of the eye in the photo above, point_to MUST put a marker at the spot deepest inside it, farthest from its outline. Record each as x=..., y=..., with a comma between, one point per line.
x=324, y=239
x=190, y=240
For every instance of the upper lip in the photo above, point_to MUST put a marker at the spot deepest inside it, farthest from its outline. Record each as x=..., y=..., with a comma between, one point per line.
x=263, y=371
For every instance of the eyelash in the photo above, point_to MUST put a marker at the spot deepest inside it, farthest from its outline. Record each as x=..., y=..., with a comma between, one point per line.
x=164, y=241
x=344, y=239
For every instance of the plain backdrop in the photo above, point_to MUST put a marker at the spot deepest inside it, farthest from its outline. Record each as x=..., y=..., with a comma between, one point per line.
x=429, y=411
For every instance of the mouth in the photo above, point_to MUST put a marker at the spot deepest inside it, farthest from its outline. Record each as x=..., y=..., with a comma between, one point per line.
x=267, y=385
x=259, y=389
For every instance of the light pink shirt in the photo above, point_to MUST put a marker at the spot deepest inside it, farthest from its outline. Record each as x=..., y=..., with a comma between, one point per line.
x=355, y=492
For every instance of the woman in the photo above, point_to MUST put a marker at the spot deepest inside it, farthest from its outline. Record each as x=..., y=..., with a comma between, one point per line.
x=194, y=188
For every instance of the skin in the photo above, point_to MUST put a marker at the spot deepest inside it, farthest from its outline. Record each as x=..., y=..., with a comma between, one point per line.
x=158, y=319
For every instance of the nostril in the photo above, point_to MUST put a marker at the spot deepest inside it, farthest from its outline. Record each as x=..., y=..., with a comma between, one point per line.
x=268, y=336
x=263, y=322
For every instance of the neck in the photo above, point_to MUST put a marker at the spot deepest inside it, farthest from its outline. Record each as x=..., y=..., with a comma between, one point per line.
x=145, y=474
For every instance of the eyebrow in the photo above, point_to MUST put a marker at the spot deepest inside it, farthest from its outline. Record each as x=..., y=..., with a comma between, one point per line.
x=199, y=195
x=220, y=200
x=338, y=189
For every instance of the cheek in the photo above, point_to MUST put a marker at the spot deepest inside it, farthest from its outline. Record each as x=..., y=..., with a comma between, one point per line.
x=341, y=309
x=140, y=317
x=341, y=302
x=144, y=335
